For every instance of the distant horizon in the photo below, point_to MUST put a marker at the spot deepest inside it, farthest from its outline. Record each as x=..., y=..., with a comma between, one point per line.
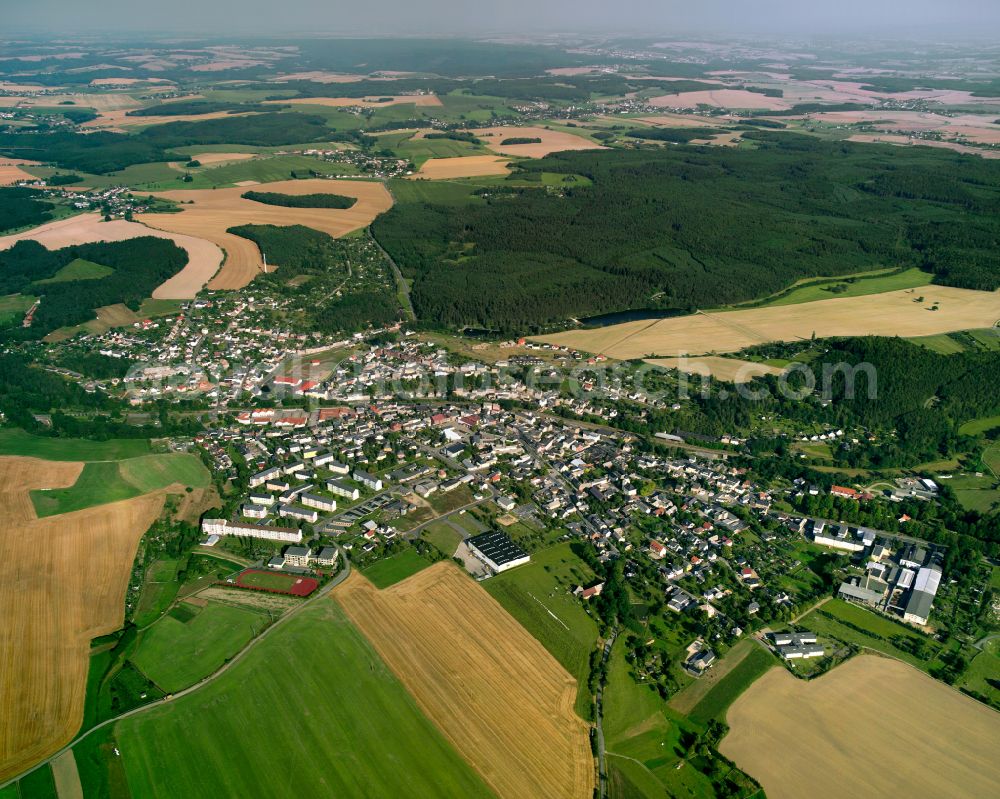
x=894, y=19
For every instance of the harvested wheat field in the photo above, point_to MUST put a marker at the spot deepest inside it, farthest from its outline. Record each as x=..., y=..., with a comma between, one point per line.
x=214, y=159
x=494, y=692
x=892, y=313
x=870, y=727
x=318, y=76
x=62, y=583
x=119, y=120
x=677, y=121
x=374, y=101
x=553, y=141
x=204, y=257
x=466, y=166
x=732, y=370
x=721, y=98
x=212, y=211
x=11, y=172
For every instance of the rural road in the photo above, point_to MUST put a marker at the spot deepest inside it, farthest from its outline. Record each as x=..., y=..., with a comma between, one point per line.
x=403, y=286
x=342, y=575
x=602, y=771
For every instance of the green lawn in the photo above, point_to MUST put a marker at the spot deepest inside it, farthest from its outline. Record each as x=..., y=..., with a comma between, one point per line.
x=395, y=568
x=642, y=739
x=876, y=632
x=153, y=472
x=79, y=269
x=875, y=282
x=983, y=674
x=158, y=591
x=14, y=306
x=443, y=536
x=264, y=170
x=102, y=482
x=98, y=484
x=717, y=701
x=977, y=426
x=39, y=784
x=176, y=654
x=941, y=343
x=311, y=711
x=18, y=442
x=538, y=596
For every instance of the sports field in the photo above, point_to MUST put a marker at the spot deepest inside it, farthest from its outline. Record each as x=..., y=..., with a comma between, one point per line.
x=496, y=694
x=310, y=711
x=175, y=654
x=892, y=313
x=208, y=214
x=62, y=583
x=276, y=582
x=870, y=727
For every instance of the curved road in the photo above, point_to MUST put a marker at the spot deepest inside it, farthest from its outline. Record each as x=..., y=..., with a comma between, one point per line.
x=341, y=576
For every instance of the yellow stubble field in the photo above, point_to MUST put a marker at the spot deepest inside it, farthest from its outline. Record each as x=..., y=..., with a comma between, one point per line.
x=62, y=583
x=209, y=213
x=891, y=313
x=494, y=692
x=552, y=141
x=204, y=257
x=871, y=727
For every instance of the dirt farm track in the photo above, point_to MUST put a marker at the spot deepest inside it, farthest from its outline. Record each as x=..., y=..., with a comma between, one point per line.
x=871, y=727
x=62, y=583
x=496, y=694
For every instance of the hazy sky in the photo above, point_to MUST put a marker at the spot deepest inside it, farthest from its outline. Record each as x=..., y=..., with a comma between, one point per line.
x=650, y=17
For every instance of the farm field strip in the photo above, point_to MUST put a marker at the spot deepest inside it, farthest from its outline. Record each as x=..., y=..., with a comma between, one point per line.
x=552, y=141
x=208, y=214
x=907, y=718
x=893, y=313
x=310, y=711
x=496, y=694
x=373, y=101
x=62, y=583
x=467, y=166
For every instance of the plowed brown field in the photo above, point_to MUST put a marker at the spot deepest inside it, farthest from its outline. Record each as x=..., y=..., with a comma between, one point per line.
x=498, y=696
x=62, y=583
x=208, y=213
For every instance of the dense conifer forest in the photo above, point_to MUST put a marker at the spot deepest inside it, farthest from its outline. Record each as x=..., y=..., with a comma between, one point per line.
x=683, y=228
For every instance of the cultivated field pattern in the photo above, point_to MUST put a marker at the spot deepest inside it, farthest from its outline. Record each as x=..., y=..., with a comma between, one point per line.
x=501, y=699
x=208, y=213
x=868, y=728
x=893, y=313
x=62, y=583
